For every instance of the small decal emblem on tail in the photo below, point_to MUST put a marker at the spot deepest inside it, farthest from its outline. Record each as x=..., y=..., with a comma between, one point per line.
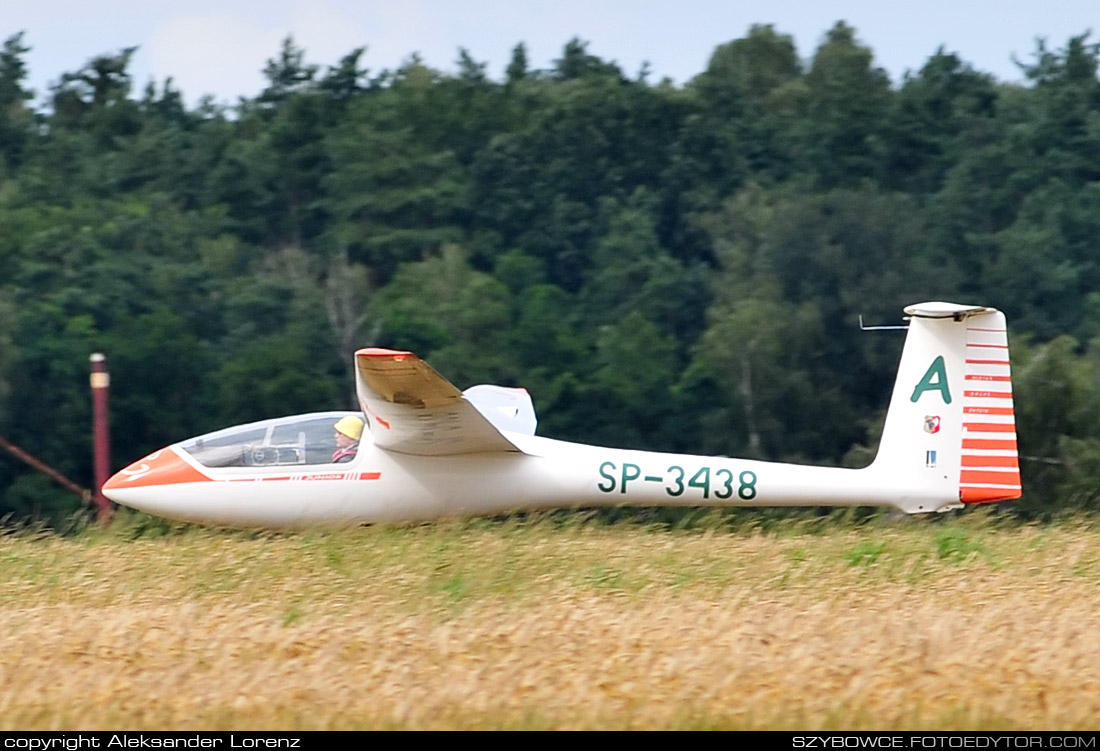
x=932, y=424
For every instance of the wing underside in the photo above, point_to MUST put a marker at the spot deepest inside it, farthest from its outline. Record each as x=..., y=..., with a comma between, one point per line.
x=412, y=409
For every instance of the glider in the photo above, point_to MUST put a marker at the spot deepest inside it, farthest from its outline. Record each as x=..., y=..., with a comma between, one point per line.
x=429, y=451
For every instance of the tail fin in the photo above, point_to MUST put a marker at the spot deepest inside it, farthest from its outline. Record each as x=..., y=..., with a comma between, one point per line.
x=950, y=433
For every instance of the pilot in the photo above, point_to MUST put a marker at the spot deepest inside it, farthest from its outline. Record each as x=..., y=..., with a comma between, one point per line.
x=349, y=429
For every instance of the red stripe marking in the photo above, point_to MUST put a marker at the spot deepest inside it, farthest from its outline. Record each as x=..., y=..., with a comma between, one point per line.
x=990, y=443
x=987, y=362
x=323, y=476
x=987, y=346
x=378, y=419
x=989, y=410
x=990, y=427
x=971, y=460
x=988, y=495
x=989, y=477
x=988, y=394
x=1001, y=379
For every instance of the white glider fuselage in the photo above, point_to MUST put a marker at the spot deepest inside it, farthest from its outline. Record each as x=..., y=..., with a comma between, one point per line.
x=432, y=452
x=385, y=486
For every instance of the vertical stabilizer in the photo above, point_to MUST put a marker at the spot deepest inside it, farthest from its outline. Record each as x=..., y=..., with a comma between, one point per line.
x=950, y=432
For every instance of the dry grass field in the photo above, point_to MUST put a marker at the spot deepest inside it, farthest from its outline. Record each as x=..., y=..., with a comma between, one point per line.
x=952, y=623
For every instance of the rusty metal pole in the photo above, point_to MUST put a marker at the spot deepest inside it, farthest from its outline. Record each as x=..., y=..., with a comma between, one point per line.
x=46, y=469
x=101, y=434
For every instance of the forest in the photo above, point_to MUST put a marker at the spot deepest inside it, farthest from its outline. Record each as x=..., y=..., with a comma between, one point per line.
x=670, y=267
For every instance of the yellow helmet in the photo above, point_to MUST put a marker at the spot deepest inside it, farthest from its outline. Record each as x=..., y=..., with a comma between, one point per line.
x=350, y=426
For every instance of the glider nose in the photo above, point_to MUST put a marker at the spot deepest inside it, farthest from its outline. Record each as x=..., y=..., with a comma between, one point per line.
x=136, y=485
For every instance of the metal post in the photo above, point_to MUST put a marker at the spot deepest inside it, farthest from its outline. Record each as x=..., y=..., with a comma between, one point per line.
x=101, y=435
x=41, y=466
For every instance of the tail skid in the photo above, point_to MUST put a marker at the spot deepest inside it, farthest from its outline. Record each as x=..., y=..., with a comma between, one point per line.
x=950, y=432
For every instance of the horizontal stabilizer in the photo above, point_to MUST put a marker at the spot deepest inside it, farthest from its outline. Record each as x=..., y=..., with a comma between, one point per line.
x=946, y=310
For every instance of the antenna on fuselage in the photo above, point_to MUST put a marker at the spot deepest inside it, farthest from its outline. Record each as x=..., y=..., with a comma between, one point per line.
x=863, y=327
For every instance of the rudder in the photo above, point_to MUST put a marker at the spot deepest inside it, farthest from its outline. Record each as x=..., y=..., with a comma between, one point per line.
x=990, y=461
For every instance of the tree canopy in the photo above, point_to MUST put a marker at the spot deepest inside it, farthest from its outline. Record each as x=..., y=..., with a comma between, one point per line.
x=668, y=267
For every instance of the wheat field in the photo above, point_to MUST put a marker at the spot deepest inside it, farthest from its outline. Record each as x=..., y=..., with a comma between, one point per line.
x=555, y=622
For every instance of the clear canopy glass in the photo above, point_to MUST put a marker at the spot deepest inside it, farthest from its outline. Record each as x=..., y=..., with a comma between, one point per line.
x=294, y=440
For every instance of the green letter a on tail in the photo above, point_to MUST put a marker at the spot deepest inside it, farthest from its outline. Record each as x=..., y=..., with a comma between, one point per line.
x=935, y=379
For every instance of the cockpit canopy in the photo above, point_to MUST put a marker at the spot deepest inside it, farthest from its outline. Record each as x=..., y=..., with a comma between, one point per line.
x=283, y=441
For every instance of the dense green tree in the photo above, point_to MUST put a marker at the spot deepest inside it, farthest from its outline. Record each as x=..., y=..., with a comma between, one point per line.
x=273, y=376
x=596, y=135
x=1057, y=411
x=1048, y=253
x=50, y=413
x=8, y=355
x=393, y=199
x=777, y=401
x=576, y=62
x=287, y=75
x=662, y=266
x=16, y=116
x=460, y=314
x=746, y=97
x=345, y=81
x=846, y=104
x=97, y=99
x=1067, y=97
x=636, y=366
x=172, y=152
x=278, y=355
x=939, y=113
x=517, y=65
x=630, y=272
x=796, y=271
x=160, y=391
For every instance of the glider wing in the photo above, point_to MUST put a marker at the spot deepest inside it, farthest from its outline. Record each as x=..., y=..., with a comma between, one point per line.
x=412, y=409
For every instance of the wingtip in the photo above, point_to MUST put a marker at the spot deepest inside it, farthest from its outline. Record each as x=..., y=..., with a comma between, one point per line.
x=385, y=354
